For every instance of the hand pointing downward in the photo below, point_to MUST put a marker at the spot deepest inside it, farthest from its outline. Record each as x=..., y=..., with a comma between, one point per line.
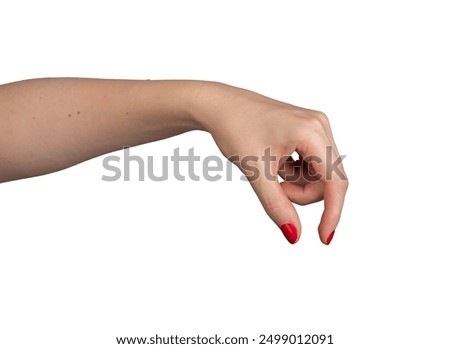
x=247, y=125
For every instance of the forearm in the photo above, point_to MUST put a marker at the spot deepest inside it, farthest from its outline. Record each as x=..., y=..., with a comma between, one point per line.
x=50, y=124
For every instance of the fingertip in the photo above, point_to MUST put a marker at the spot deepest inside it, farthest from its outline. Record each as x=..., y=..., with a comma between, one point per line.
x=326, y=233
x=329, y=238
x=290, y=232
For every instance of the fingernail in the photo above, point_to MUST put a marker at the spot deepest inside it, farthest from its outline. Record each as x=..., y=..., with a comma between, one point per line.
x=290, y=232
x=330, y=237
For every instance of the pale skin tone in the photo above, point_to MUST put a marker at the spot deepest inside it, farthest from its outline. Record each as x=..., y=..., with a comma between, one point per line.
x=50, y=124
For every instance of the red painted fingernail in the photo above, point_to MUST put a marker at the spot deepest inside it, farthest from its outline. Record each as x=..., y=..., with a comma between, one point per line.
x=330, y=237
x=290, y=232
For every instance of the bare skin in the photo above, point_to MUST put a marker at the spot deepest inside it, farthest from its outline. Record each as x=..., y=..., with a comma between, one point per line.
x=50, y=124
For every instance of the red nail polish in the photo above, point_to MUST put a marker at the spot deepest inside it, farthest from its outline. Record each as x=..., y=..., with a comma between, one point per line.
x=330, y=237
x=290, y=232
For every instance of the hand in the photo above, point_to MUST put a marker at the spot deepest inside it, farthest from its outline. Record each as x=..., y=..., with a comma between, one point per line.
x=259, y=135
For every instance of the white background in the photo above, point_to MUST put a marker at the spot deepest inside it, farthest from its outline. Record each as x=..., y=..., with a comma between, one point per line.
x=83, y=261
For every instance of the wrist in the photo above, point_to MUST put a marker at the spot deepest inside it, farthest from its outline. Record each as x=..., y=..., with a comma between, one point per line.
x=205, y=103
x=171, y=104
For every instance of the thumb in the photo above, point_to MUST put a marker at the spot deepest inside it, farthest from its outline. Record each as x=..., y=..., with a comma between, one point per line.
x=278, y=206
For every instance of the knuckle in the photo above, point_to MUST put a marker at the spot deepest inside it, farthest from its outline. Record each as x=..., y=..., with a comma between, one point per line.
x=273, y=207
x=317, y=121
x=320, y=116
x=343, y=184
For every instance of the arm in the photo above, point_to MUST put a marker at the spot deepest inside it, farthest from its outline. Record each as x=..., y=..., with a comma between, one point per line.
x=51, y=124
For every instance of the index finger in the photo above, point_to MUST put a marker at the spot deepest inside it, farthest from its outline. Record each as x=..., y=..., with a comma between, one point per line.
x=328, y=163
x=334, y=196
